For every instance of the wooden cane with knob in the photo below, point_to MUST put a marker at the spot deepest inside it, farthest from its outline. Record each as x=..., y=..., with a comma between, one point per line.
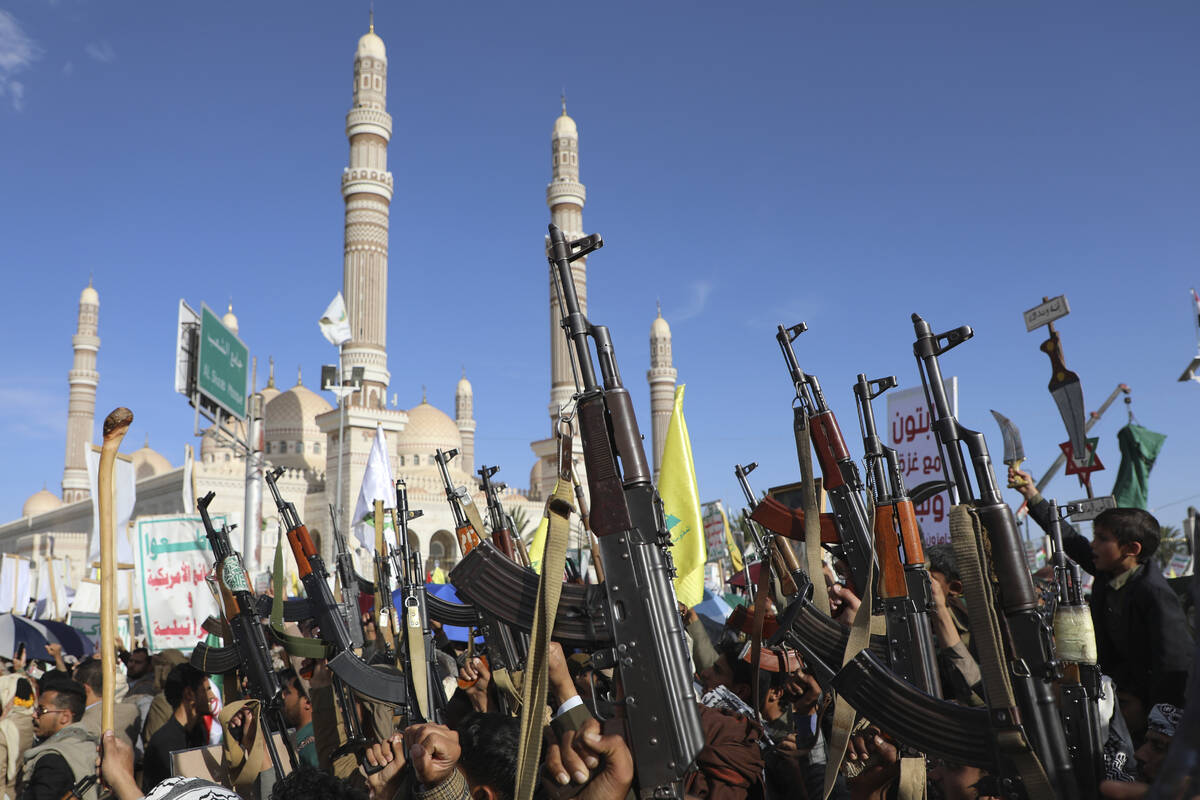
x=116, y=425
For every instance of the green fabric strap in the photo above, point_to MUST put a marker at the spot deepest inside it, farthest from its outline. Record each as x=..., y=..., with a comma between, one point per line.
x=299, y=646
x=536, y=680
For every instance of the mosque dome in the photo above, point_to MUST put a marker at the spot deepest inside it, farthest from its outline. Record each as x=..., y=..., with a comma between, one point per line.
x=40, y=502
x=464, y=387
x=89, y=296
x=428, y=430
x=294, y=411
x=147, y=463
x=565, y=126
x=211, y=444
x=230, y=321
x=371, y=46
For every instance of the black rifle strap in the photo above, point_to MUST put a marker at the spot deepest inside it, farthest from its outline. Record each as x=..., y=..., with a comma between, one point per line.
x=812, y=512
x=968, y=537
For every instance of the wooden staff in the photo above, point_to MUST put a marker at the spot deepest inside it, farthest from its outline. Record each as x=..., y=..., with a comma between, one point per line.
x=116, y=425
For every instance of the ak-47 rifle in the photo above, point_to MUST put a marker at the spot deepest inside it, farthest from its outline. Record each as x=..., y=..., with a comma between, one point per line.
x=464, y=531
x=1028, y=651
x=419, y=652
x=780, y=554
x=903, y=580
x=347, y=668
x=657, y=700
x=839, y=473
x=1075, y=643
x=249, y=637
x=351, y=583
x=503, y=535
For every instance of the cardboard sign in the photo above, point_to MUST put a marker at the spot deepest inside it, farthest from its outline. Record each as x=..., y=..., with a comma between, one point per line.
x=173, y=561
x=1047, y=312
x=714, y=530
x=909, y=432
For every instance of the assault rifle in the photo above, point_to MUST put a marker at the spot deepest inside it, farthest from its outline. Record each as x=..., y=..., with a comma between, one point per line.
x=503, y=534
x=1075, y=641
x=657, y=699
x=352, y=585
x=779, y=554
x=347, y=668
x=253, y=655
x=419, y=652
x=903, y=580
x=464, y=531
x=838, y=471
x=1028, y=652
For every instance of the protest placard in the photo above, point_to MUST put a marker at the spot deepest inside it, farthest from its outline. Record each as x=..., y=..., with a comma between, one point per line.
x=173, y=560
x=909, y=431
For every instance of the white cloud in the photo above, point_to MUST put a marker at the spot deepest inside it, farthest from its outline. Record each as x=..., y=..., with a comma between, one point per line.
x=17, y=53
x=101, y=51
x=68, y=68
x=695, y=303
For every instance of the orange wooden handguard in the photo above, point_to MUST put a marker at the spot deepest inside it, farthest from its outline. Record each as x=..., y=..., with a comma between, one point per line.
x=887, y=548
x=462, y=684
x=829, y=446
x=910, y=534
x=302, y=548
x=778, y=518
x=773, y=660
x=467, y=538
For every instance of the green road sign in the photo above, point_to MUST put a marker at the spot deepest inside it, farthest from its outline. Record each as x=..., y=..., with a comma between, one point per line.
x=222, y=369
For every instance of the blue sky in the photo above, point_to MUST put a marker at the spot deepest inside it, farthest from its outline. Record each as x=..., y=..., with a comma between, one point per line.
x=845, y=164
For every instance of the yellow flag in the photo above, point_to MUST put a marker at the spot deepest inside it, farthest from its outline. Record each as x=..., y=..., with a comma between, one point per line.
x=438, y=575
x=681, y=506
x=537, y=547
x=735, y=555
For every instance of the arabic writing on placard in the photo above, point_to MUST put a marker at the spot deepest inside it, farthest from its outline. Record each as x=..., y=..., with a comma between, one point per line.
x=911, y=434
x=174, y=560
x=1048, y=311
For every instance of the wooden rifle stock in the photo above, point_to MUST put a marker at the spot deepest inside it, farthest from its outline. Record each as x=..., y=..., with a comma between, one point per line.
x=302, y=548
x=468, y=538
x=789, y=522
x=887, y=549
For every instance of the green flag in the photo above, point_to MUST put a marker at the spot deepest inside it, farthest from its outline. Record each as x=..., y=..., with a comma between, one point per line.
x=1139, y=448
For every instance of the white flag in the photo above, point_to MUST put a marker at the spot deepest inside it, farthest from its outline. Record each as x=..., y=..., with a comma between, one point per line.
x=334, y=325
x=377, y=485
x=189, y=498
x=126, y=481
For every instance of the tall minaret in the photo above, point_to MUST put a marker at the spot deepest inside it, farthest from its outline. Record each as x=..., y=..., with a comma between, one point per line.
x=367, y=190
x=565, y=196
x=81, y=407
x=464, y=418
x=661, y=377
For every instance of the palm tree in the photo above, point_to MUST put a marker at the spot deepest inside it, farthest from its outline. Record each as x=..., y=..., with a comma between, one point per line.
x=1171, y=541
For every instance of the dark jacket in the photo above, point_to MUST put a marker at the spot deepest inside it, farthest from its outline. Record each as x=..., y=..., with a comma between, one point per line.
x=1142, y=636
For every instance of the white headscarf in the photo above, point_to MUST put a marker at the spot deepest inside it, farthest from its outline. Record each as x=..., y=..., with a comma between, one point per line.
x=190, y=789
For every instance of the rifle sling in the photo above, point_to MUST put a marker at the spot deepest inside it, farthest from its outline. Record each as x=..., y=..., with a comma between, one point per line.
x=756, y=636
x=967, y=536
x=301, y=646
x=844, y=714
x=382, y=591
x=536, y=680
x=812, y=516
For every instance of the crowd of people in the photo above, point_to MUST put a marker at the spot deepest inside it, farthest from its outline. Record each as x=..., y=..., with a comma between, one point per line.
x=766, y=734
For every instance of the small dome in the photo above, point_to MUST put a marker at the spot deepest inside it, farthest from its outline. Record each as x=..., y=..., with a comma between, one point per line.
x=89, y=296
x=211, y=443
x=564, y=126
x=230, y=321
x=428, y=429
x=147, y=463
x=371, y=46
x=40, y=502
x=659, y=329
x=464, y=387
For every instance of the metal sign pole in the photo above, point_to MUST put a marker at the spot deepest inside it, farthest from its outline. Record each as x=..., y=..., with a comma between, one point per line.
x=341, y=439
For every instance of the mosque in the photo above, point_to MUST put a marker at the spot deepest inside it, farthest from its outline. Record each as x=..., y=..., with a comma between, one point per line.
x=300, y=427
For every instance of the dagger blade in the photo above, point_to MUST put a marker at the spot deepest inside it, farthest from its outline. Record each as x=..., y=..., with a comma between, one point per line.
x=1069, y=398
x=1014, y=451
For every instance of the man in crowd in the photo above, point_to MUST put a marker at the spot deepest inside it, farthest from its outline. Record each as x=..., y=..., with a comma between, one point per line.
x=66, y=749
x=297, y=712
x=128, y=723
x=190, y=696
